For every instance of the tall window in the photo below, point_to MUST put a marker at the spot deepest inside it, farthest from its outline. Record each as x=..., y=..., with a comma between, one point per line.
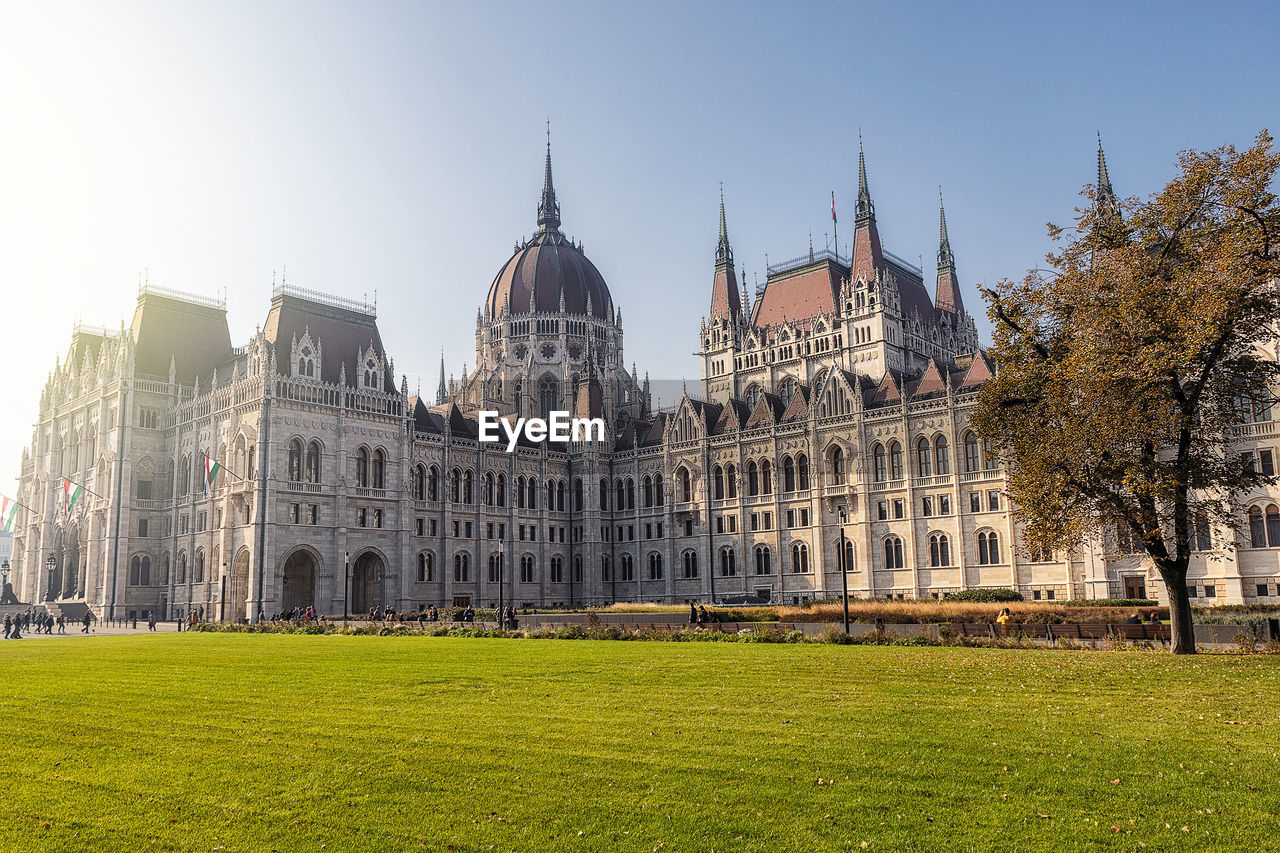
x=577, y=493
x=425, y=561
x=717, y=483
x=462, y=568
x=495, y=567
x=731, y=481
x=1264, y=527
x=295, y=460
x=657, y=490
x=362, y=467
x=939, y=550
x=379, y=468
x=455, y=485
x=847, y=563
x=526, y=569
x=548, y=396
x=683, y=484
x=647, y=485
x=893, y=553
x=1200, y=539
x=655, y=566
x=766, y=478
x=313, y=462
x=762, y=560
x=467, y=489
x=788, y=474
x=728, y=563
x=802, y=472
x=557, y=569
x=627, y=567
x=799, y=558
x=988, y=548
x=532, y=490
x=419, y=483
x=490, y=490
x=837, y=467
x=895, y=461
x=942, y=455
x=924, y=457
x=689, y=559
x=433, y=484
x=879, y=469
x=753, y=478
x=990, y=459
x=971, y=462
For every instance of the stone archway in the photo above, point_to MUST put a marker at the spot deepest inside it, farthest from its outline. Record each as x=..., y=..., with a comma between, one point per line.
x=299, y=580
x=239, y=591
x=367, y=576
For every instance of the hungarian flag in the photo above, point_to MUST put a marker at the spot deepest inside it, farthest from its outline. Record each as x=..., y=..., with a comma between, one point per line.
x=833, y=205
x=211, y=470
x=8, y=514
x=70, y=494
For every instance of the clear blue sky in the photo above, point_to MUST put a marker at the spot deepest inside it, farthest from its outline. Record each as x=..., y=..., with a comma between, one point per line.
x=398, y=147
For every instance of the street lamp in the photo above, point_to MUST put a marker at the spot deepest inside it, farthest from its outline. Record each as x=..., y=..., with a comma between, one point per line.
x=346, y=584
x=52, y=565
x=844, y=571
x=4, y=572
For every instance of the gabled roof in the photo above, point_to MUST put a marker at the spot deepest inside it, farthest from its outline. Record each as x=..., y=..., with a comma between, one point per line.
x=980, y=370
x=889, y=390
x=930, y=382
x=798, y=408
x=767, y=412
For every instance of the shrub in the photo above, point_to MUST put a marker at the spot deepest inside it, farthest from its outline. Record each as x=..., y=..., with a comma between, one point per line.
x=986, y=595
x=1111, y=602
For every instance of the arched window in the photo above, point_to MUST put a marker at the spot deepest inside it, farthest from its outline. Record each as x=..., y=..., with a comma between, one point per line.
x=199, y=572
x=520, y=492
x=578, y=494
x=455, y=485
x=604, y=569
x=766, y=478
x=548, y=396
x=689, y=559
x=787, y=389
x=495, y=568
x=631, y=493
x=728, y=563
x=164, y=570
x=526, y=569
x=462, y=567
x=1264, y=527
x=683, y=484
x=295, y=460
x=939, y=550
x=433, y=484
x=532, y=495
x=490, y=491
x=557, y=569
x=717, y=483
x=837, y=467
x=892, y=552
x=140, y=571
x=182, y=567
x=419, y=483
x=425, y=567
x=731, y=481
x=990, y=459
x=577, y=568
x=659, y=496
x=942, y=455
x=620, y=494
x=788, y=474
x=312, y=472
x=655, y=566
x=988, y=549
x=560, y=495
x=802, y=472
x=628, y=568
x=753, y=478
x=879, y=470
x=799, y=558
x=924, y=457
x=895, y=461
x=847, y=563
x=646, y=485
x=362, y=467
x=379, y=469
x=971, y=462
x=604, y=495
x=467, y=490
x=502, y=490
x=1200, y=538
x=762, y=560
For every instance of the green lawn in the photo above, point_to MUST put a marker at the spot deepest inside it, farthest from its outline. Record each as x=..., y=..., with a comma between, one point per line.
x=297, y=743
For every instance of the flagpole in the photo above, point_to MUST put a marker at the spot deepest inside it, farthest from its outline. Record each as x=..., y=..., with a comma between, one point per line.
x=83, y=486
x=835, y=232
x=230, y=473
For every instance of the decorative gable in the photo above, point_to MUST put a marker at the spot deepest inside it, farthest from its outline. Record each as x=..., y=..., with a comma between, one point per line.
x=931, y=381
x=370, y=369
x=305, y=356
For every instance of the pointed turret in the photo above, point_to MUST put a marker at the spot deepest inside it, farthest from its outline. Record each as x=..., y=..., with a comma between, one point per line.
x=1106, y=202
x=946, y=295
x=724, y=287
x=442, y=391
x=868, y=256
x=548, y=208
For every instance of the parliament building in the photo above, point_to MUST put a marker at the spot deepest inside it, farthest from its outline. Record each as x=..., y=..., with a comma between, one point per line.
x=830, y=436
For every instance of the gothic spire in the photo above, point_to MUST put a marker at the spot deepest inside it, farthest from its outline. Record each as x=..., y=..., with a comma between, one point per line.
x=1106, y=197
x=866, y=211
x=946, y=260
x=724, y=254
x=548, y=209
x=442, y=392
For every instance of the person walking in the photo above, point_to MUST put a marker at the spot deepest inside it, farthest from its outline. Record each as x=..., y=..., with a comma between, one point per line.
x=62, y=624
x=8, y=626
x=87, y=616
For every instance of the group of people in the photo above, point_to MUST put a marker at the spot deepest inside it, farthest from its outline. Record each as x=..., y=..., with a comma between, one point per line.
x=1136, y=619
x=15, y=625
x=699, y=615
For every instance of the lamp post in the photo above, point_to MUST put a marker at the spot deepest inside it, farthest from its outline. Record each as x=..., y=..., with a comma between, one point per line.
x=502, y=620
x=346, y=584
x=222, y=596
x=4, y=572
x=51, y=564
x=844, y=571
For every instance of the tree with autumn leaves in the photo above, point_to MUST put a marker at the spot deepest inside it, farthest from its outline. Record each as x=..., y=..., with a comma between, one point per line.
x=1127, y=370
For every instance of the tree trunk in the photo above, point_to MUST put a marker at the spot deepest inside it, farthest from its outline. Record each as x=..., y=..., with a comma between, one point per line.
x=1181, y=629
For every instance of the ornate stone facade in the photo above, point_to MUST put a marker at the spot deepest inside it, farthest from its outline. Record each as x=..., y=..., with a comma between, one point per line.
x=833, y=419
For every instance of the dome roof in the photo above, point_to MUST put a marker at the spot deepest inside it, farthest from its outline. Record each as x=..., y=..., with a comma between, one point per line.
x=549, y=268
x=541, y=272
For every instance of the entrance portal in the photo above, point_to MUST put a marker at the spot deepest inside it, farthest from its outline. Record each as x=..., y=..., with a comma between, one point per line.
x=239, y=591
x=299, y=581
x=366, y=582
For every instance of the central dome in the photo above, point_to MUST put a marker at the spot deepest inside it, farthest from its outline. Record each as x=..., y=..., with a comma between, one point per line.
x=549, y=274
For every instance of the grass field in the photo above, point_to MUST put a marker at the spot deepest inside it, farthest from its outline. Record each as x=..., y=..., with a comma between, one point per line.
x=295, y=743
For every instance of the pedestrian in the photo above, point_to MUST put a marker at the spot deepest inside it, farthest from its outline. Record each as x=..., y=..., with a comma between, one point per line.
x=8, y=626
x=151, y=621
x=693, y=613
x=703, y=618
x=87, y=616
x=16, y=633
x=62, y=624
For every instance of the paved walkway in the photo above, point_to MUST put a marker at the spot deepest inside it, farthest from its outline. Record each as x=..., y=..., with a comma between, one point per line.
x=100, y=630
